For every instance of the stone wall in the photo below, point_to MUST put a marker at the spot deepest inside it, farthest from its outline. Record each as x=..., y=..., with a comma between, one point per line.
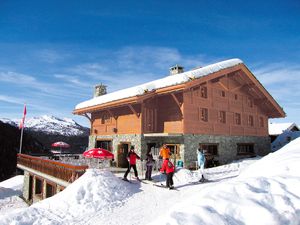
x=26, y=186
x=227, y=146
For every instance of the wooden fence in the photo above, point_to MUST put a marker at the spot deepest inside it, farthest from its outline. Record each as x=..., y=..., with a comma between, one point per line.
x=56, y=169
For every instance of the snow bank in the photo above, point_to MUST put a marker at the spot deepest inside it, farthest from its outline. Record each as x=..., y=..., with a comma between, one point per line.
x=284, y=162
x=156, y=84
x=95, y=191
x=15, y=183
x=10, y=190
x=267, y=192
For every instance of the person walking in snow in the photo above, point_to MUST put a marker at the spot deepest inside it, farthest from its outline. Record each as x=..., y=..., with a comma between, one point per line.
x=132, y=157
x=169, y=169
x=201, y=162
x=149, y=164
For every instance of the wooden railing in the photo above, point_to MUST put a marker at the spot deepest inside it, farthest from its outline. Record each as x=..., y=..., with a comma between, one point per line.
x=59, y=170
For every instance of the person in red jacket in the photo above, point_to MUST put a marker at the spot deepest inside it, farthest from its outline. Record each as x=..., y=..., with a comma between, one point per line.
x=169, y=168
x=132, y=157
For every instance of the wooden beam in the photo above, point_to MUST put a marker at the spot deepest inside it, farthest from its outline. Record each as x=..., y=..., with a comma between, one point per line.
x=87, y=116
x=223, y=86
x=238, y=87
x=177, y=102
x=133, y=110
x=111, y=114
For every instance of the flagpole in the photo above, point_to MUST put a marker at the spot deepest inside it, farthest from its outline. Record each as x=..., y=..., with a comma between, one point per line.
x=22, y=126
x=21, y=140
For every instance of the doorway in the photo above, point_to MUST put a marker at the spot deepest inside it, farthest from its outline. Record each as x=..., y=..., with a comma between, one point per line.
x=122, y=155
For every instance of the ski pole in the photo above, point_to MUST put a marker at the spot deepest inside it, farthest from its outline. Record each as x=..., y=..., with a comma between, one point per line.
x=142, y=168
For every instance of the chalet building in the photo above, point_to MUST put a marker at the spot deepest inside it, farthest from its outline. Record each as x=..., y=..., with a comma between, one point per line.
x=221, y=106
x=276, y=129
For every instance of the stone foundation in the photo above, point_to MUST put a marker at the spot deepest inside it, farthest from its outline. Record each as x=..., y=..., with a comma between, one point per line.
x=227, y=145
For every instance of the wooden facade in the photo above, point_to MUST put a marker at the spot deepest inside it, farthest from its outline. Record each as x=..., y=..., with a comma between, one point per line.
x=230, y=102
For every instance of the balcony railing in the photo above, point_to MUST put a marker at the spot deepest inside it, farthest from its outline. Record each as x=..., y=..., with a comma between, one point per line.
x=63, y=171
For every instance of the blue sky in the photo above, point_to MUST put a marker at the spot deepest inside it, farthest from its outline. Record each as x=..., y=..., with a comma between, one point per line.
x=54, y=52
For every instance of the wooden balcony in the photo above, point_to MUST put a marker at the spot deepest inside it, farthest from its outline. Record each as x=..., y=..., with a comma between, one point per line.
x=63, y=171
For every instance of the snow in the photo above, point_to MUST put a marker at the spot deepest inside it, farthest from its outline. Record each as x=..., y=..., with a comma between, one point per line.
x=160, y=83
x=253, y=191
x=279, y=128
x=9, y=192
x=51, y=125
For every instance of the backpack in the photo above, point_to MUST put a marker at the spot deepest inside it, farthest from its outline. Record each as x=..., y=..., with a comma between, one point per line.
x=170, y=164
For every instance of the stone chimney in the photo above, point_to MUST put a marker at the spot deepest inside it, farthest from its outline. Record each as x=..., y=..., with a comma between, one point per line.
x=100, y=89
x=176, y=69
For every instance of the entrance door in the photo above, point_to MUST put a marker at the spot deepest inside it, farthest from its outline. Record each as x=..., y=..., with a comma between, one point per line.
x=122, y=155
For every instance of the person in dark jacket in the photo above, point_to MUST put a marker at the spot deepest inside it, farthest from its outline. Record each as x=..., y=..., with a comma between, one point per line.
x=149, y=165
x=169, y=168
x=132, y=157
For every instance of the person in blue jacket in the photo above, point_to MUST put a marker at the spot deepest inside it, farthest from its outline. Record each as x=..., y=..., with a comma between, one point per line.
x=201, y=162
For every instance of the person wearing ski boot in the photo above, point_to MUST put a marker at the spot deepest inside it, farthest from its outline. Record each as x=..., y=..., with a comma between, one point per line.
x=131, y=158
x=169, y=169
x=201, y=162
x=149, y=164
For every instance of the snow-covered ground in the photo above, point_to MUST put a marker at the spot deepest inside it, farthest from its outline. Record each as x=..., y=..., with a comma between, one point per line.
x=10, y=190
x=255, y=191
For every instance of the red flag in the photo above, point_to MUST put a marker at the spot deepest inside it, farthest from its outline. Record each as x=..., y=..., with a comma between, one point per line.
x=23, y=119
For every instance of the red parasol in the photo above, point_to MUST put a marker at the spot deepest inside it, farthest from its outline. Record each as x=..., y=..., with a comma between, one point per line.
x=61, y=144
x=99, y=153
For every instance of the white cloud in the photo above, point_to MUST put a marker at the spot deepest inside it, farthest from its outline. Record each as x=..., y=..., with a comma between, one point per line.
x=10, y=99
x=75, y=80
x=50, y=56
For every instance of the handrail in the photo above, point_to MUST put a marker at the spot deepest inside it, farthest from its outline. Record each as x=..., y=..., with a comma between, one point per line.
x=69, y=166
x=59, y=170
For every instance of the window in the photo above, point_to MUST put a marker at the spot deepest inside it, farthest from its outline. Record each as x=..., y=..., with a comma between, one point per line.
x=106, y=144
x=211, y=149
x=203, y=91
x=222, y=93
x=174, y=149
x=261, y=121
x=237, y=118
x=38, y=186
x=250, y=121
x=105, y=119
x=50, y=190
x=204, y=114
x=236, y=97
x=250, y=102
x=222, y=116
x=245, y=149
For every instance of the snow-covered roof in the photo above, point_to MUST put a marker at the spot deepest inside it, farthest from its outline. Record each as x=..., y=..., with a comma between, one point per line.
x=278, y=128
x=160, y=83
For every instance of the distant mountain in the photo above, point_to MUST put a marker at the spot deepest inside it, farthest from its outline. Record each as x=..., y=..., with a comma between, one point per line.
x=51, y=125
x=9, y=147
